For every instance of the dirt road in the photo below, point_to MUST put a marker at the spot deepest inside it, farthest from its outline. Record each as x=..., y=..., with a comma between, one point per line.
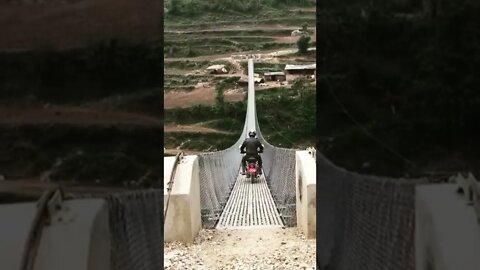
x=193, y=128
x=74, y=24
x=36, y=114
x=248, y=249
x=35, y=187
x=228, y=28
x=199, y=96
x=219, y=57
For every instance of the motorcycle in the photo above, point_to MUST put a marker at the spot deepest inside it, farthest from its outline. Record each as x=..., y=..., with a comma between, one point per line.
x=252, y=169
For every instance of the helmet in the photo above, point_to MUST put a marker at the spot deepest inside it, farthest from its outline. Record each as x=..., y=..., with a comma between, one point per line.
x=252, y=133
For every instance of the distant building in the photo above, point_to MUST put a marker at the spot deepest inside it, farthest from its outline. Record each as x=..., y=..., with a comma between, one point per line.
x=217, y=69
x=295, y=71
x=300, y=69
x=296, y=33
x=243, y=81
x=276, y=76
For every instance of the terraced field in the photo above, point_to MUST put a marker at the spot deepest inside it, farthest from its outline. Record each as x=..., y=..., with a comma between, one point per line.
x=193, y=43
x=57, y=24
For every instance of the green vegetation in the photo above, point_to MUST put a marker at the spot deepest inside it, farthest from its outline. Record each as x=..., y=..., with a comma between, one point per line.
x=303, y=44
x=148, y=102
x=200, y=141
x=172, y=81
x=201, y=113
x=191, y=48
x=188, y=83
x=186, y=64
x=229, y=82
x=85, y=167
x=189, y=26
x=226, y=27
x=198, y=15
x=286, y=17
x=286, y=116
x=112, y=154
x=409, y=81
x=264, y=67
x=227, y=124
x=219, y=97
x=81, y=74
x=11, y=197
x=191, y=8
x=214, y=39
x=305, y=27
x=228, y=33
x=192, y=65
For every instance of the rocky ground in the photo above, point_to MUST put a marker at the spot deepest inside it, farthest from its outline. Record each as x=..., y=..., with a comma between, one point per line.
x=246, y=249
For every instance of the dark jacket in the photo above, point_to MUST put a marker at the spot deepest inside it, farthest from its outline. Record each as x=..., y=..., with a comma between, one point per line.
x=251, y=146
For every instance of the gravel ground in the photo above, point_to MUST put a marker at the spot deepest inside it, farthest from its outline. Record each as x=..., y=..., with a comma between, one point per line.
x=243, y=249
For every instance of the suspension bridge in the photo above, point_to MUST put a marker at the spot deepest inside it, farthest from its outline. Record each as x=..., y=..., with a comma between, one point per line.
x=228, y=199
x=364, y=222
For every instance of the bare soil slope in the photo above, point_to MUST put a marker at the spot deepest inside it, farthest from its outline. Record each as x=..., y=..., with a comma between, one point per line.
x=73, y=24
x=199, y=96
x=71, y=115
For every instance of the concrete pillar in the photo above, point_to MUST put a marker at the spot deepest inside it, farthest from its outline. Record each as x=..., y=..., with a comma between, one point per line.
x=77, y=238
x=447, y=235
x=306, y=184
x=183, y=220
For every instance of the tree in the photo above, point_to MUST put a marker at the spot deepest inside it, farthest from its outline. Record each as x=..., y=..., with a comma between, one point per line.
x=300, y=86
x=174, y=7
x=302, y=44
x=220, y=98
x=305, y=27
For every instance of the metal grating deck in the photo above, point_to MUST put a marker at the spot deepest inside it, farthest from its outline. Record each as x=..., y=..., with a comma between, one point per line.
x=250, y=204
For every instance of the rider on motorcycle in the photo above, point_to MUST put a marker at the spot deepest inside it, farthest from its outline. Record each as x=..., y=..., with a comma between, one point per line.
x=251, y=146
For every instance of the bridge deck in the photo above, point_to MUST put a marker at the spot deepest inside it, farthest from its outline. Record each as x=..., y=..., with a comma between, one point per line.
x=250, y=204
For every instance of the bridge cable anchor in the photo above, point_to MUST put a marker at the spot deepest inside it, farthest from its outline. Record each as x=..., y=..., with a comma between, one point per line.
x=47, y=205
x=178, y=158
x=470, y=187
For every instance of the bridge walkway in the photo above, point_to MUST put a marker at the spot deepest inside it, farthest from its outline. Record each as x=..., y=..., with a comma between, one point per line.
x=250, y=205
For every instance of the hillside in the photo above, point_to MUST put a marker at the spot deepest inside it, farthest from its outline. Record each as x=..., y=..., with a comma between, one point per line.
x=408, y=81
x=199, y=34
x=53, y=24
x=79, y=106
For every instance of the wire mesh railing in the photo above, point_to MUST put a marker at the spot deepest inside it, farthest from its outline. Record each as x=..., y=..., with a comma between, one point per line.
x=219, y=170
x=364, y=222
